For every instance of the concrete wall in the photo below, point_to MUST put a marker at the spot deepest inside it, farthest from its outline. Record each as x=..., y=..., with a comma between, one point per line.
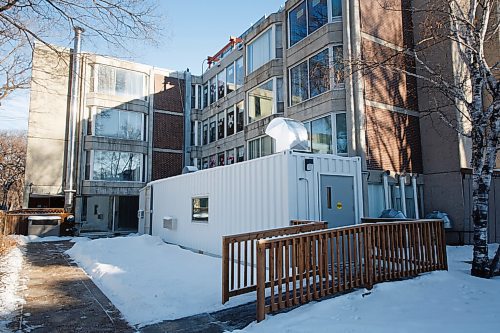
x=47, y=122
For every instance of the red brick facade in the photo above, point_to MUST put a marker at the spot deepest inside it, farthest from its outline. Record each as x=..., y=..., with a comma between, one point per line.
x=169, y=94
x=168, y=131
x=393, y=141
x=166, y=165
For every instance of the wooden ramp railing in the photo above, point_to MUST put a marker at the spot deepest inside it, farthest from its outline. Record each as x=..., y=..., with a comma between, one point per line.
x=239, y=256
x=299, y=268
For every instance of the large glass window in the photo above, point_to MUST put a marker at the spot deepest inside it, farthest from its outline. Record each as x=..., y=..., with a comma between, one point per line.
x=323, y=139
x=115, y=123
x=260, y=147
x=117, y=166
x=317, y=17
x=321, y=135
x=230, y=85
x=279, y=95
x=308, y=17
x=312, y=77
x=261, y=101
x=299, y=83
x=230, y=122
x=319, y=74
x=240, y=73
x=240, y=116
x=336, y=8
x=213, y=90
x=221, y=125
x=120, y=82
x=221, y=159
x=213, y=129
x=259, y=51
x=297, y=20
x=230, y=157
x=221, y=84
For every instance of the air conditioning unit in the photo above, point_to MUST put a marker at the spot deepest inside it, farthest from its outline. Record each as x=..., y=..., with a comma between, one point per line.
x=140, y=214
x=169, y=223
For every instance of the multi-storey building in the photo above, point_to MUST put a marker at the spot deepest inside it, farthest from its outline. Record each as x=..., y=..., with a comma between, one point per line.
x=291, y=64
x=129, y=130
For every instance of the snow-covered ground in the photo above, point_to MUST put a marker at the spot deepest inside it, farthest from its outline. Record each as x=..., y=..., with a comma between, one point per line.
x=10, y=285
x=450, y=301
x=150, y=281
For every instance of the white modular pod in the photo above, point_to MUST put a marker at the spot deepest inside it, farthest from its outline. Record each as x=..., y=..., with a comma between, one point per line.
x=195, y=210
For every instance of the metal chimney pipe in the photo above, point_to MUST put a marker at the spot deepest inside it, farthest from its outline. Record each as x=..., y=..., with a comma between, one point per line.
x=69, y=177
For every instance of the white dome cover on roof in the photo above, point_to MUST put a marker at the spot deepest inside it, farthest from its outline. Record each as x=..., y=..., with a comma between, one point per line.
x=288, y=133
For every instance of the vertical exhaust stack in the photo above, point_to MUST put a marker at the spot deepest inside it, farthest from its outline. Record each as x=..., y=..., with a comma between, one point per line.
x=69, y=176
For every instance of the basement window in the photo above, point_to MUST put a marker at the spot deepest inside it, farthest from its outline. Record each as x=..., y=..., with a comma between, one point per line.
x=200, y=209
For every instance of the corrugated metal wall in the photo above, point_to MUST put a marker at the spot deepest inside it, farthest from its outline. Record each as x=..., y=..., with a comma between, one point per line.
x=494, y=210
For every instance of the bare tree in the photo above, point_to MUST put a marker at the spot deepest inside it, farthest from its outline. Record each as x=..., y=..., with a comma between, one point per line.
x=24, y=22
x=12, y=166
x=473, y=91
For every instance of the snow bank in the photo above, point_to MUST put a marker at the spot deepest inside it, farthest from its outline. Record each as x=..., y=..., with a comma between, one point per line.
x=10, y=276
x=442, y=301
x=150, y=281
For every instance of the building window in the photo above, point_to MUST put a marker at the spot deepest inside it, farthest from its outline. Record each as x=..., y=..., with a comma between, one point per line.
x=240, y=116
x=260, y=101
x=260, y=147
x=198, y=97
x=221, y=159
x=341, y=129
x=319, y=76
x=204, y=163
x=240, y=154
x=307, y=17
x=336, y=8
x=221, y=84
x=205, y=95
x=116, y=123
x=299, y=83
x=213, y=90
x=338, y=65
x=240, y=73
x=259, y=51
x=279, y=95
x=313, y=76
x=322, y=139
x=230, y=84
x=205, y=132
x=193, y=96
x=230, y=157
x=212, y=161
x=279, y=40
x=230, y=122
x=221, y=125
x=213, y=129
x=120, y=82
x=317, y=14
x=117, y=166
x=200, y=209
x=297, y=21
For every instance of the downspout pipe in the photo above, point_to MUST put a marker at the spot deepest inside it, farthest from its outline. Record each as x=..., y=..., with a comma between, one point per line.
x=187, y=119
x=385, y=181
x=415, y=196
x=402, y=181
x=69, y=177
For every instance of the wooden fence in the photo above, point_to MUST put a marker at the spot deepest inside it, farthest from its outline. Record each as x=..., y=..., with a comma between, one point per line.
x=299, y=268
x=15, y=222
x=239, y=256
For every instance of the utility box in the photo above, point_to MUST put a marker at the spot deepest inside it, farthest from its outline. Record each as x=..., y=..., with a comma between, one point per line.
x=196, y=209
x=42, y=226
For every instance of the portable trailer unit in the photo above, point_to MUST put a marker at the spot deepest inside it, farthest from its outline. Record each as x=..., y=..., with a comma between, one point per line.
x=195, y=210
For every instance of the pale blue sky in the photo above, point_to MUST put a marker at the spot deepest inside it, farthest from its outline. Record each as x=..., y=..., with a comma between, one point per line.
x=193, y=30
